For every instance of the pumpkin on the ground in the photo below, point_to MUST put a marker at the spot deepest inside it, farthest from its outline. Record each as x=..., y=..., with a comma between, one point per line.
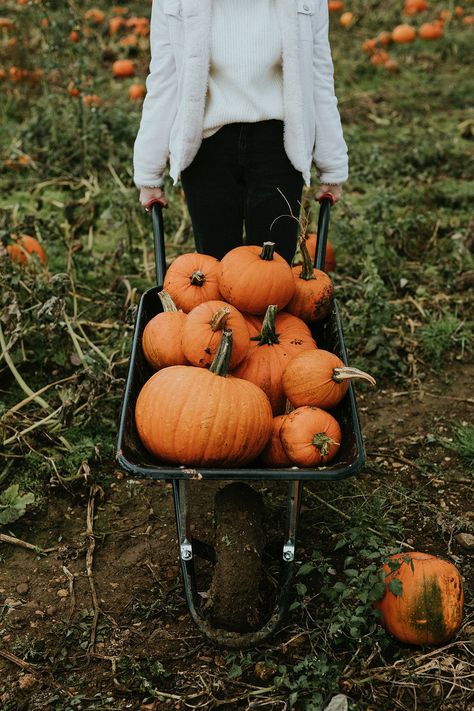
x=203, y=417
x=319, y=378
x=253, y=277
x=192, y=279
x=423, y=598
x=282, y=336
x=24, y=247
x=203, y=330
x=311, y=437
x=161, y=339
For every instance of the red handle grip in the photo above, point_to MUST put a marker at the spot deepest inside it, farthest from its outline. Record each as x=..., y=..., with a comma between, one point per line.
x=161, y=201
x=328, y=196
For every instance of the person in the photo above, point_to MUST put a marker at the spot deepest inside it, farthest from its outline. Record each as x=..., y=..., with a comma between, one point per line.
x=240, y=100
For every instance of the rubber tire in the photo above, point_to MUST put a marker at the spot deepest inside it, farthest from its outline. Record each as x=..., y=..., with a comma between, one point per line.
x=239, y=541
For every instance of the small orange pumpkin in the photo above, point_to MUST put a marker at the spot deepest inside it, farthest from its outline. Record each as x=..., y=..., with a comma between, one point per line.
x=429, y=608
x=203, y=417
x=335, y=5
x=319, y=378
x=252, y=277
x=123, y=68
x=313, y=298
x=403, y=34
x=94, y=15
x=430, y=31
x=274, y=455
x=346, y=19
x=203, y=329
x=22, y=249
x=192, y=279
x=136, y=92
x=310, y=436
x=161, y=339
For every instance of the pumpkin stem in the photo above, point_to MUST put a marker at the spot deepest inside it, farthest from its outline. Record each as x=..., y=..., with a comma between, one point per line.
x=268, y=249
x=167, y=302
x=219, y=319
x=267, y=335
x=220, y=364
x=307, y=270
x=346, y=373
x=323, y=442
x=197, y=278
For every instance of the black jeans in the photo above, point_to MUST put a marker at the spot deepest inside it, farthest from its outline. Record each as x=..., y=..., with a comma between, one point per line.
x=240, y=175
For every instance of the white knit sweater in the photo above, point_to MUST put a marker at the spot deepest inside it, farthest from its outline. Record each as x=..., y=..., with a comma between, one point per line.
x=245, y=78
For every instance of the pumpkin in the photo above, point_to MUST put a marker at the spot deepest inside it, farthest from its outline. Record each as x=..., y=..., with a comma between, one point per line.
x=74, y=36
x=403, y=34
x=94, y=15
x=136, y=91
x=367, y=46
x=319, y=378
x=24, y=247
x=429, y=608
x=281, y=338
x=311, y=244
x=253, y=277
x=430, y=31
x=192, y=279
x=379, y=58
x=274, y=455
x=115, y=24
x=310, y=436
x=414, y=6
x=161, y=339
x=335, y=5
x=383, y=38
x=199, y=417
x=123, y=68
x=391, y=65
x=203, y=330
x=314, y=291
x=346, y=19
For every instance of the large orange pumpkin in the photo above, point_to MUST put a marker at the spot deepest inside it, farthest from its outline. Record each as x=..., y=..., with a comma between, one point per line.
x=24, y=247
x=123, y=68
x=282, y=336
x=429, y=608
x=314, y=291
x=161, y=339
x=192, y=279
x=430, y=31
x=253, y=277
x=203, y=329
x=311, y=437
x=319, y=378
x=200, y=417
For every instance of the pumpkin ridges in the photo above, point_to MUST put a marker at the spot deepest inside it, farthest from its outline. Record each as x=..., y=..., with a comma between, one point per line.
x=314, y=291
x=297, y=436
x=178, y=283
x=161, y=338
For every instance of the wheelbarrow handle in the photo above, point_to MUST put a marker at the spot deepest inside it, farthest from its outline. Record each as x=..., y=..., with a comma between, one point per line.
x=156, y=207
x=325, y=201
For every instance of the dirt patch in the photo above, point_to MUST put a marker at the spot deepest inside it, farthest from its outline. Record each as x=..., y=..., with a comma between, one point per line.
x=144, y=635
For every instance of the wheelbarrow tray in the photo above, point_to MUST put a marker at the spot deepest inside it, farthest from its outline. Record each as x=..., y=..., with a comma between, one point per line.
x=133, y=459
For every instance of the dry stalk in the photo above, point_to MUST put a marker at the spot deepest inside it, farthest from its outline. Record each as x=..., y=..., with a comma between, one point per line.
x=31, y=670
x=32, y=427
x=72, y=596
x=94, y=490
x=26, y=389
x=4, y=538
x=31, y=397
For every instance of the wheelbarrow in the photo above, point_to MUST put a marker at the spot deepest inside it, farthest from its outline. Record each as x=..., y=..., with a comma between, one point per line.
x=238, y=499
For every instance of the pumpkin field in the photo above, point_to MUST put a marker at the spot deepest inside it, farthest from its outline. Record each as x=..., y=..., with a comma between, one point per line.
x=92, y=610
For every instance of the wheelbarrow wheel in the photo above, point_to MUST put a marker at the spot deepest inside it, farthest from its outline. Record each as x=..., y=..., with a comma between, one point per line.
x=234, y=592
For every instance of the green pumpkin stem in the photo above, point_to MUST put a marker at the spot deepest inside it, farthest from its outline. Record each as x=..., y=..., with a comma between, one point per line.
x=197, y=278
x=167, y=302
x=267, y=335
x=307, y=269
x=323, y=443
x=220, y=364
x=268, y=249
x=219, y=319
x=347, y=373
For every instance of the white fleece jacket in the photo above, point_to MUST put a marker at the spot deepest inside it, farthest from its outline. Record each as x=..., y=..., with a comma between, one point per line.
x=171, y=126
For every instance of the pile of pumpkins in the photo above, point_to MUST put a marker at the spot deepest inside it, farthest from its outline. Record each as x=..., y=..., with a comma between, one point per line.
x=234, y=354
